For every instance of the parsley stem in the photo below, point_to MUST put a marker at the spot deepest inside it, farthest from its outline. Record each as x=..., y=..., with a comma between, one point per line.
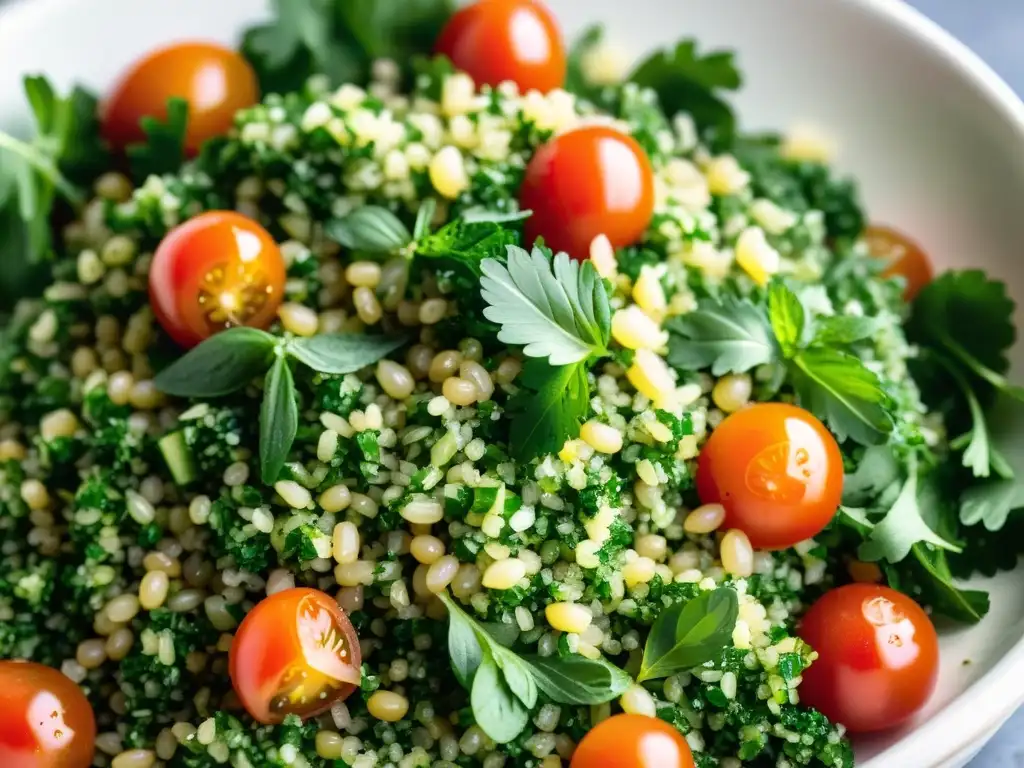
x=43, y=164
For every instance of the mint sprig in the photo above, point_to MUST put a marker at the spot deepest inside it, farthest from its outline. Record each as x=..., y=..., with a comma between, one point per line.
x=688, y=634
x=232, y=359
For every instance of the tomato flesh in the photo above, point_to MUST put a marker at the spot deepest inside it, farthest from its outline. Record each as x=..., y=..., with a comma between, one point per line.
x=295, y=653
x=904, y=257
x=214, y=80
x=777, y=471
x=584, y=183
x=217, y=270
x=498, y=40
x=633, y=741
x=878, y=657
x=45, y=719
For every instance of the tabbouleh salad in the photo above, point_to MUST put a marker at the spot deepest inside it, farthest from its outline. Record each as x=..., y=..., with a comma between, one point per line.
x=460, y=403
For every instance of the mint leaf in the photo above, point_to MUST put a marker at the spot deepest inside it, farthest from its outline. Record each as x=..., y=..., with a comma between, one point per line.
x=370, y=229
x=279, y=420
x=991, y=503
x=338, y=353
x=549, y=409
x=577, y=679
x=163, y=151
x=787, y=317
x=842, y=392
x=224, y=363
x=687, y=81
x=841, y=330
x=498, y=712
x=464, y=649
x=902, y=527
x=556, y=308
x=727, y=335
x=686, y=635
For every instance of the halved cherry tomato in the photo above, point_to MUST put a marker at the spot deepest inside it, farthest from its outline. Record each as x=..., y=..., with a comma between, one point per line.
x=498, y=40
x=295, y=653
x=585, y=183
x=903, y=255
x=777, y=471
x=45, y=719
x=214, y=80
x=878, y=657
x=217, y=270
x=633, y=741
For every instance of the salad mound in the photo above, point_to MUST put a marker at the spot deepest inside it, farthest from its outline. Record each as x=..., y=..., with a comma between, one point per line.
x=447, y=407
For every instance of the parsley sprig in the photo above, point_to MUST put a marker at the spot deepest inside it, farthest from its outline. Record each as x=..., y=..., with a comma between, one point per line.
x=233, y=359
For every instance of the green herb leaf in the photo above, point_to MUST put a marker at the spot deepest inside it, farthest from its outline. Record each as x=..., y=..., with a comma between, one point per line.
x=577, y=679
x=991, y=503
x=787, y=316
x=727, y=335
x=876, y=471
x=517, y=675
x=575, y=80
x=370, y=229
x=841, y=330
x=967, y=605
x=902, y=527
x=689, y=634
x=222, y=364
x=496, y=709
x=464, y=649
x=164, y=148
x=338, y=353
x=841, y=391
x=466, y=244
x=549, y=409
x=687, y=81
x=557, y=308
x=424, y=218
x=279, y=420
x=486, y=216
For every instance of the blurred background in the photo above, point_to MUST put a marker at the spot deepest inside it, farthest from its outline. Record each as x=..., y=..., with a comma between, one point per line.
x=994, y=29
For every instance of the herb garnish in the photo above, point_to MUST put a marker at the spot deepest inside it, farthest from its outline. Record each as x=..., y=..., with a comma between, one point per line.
x=231, y=359
x=163, y=151
x=688, y=634
x=504, y=686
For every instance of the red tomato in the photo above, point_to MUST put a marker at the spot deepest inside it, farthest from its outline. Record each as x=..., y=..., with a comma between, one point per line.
x=585, y=183
x=777, y=471
x=45, y=719
x=216, y=82
x=632, y=741
x=498, y=40
x=217, y=270
x=295, y=653
x=903, y=255
x=878, y=657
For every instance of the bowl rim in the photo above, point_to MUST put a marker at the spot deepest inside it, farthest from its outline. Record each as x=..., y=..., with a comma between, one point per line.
x=959, y=728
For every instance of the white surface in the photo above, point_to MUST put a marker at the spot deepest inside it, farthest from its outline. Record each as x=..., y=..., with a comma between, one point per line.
x=936, y=140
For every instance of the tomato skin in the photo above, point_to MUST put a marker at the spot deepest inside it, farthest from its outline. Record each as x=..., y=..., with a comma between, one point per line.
x=300, y=642
x=905, y=258
x=214, y=271
x=216, y=82
x=498, y=40
x=632, y=741
x=46, y=720
x=584, y=183
x=878, y=657
x=777, y=471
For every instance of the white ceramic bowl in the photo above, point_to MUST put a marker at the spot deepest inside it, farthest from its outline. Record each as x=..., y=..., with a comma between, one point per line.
x=935, y=138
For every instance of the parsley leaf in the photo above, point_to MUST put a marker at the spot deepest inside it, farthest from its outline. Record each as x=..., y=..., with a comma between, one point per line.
x=164, y=148
x=840, y=330
x=466, y=243
x=991, y=503
x=968, y=605
x=687, y=81
x=787, y=316
x=549, y=409
x=557, y=308
x=902, y=527
x=727, y=335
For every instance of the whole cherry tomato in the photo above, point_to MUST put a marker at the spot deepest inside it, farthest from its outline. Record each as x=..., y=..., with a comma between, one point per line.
x=878, y=657
x=215, y=81
x=633, y=741
x=904, y=257
x=498, y=40
x=217, y=270
x=777, y=471
x=295, y=653
x=584, y=183
x=45, y=719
